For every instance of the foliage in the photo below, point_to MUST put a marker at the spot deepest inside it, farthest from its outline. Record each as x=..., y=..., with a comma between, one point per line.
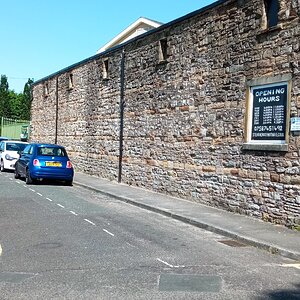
x=15, y=105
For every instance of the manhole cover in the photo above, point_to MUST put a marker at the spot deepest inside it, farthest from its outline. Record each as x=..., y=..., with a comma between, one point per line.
x=190, y=283
x=233, y=243
x=14, y=277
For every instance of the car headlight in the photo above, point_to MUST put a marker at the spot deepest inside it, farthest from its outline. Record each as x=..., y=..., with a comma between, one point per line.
x=8, y=157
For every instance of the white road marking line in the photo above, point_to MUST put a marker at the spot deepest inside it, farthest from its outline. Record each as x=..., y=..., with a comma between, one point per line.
x=0, y=250
x=32, y=190
x=108, y=232
x=40, y=194
x=73, y=212
x=60, y=205
x=297, y=266
x=49, y=199
x=164, y=262
x=130, y=245
x=169, y=265
x=90, y=222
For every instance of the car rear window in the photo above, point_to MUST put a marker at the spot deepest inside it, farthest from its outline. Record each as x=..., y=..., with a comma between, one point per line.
x=51, y=151
x=15, y=147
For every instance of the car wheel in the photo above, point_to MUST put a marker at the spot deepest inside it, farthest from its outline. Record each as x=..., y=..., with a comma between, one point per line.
x=17, y=175
x=28, y=178
x=2, y=166
x=69, y=182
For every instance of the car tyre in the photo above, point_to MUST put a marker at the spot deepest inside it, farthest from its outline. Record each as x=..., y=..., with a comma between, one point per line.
x=69, y=182
x=17, y=175
x=2, y=169
x=28, y=178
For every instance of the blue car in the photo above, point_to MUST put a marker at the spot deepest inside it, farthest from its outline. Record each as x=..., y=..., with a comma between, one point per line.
x=44, y=161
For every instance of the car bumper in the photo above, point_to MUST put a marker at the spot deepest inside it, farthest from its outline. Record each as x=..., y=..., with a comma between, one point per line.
x=9, y=164
x=50, y=173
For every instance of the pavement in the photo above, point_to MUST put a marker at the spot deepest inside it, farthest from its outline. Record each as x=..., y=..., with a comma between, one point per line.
x=273, y=238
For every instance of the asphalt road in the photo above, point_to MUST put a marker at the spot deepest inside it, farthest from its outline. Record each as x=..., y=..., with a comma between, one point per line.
x=59, y=242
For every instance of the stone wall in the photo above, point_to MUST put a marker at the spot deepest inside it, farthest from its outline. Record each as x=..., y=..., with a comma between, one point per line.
x=184, y=117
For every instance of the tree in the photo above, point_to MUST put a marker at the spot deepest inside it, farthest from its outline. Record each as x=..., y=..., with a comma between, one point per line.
x=4, y=96
x=15, y=105
x=26, y=103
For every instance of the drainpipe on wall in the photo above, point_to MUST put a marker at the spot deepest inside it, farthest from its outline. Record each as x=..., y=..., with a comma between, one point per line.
x=56, y=110
x=122, y=104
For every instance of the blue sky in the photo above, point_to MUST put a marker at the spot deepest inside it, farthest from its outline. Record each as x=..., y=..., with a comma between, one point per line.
x=40, y=37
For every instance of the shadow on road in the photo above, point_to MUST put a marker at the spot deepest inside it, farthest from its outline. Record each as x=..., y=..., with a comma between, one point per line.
x=48, y=182
x=291, y=294
x=43, y=181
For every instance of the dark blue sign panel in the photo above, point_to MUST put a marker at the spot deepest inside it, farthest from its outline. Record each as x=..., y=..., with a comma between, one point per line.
x=269, y=112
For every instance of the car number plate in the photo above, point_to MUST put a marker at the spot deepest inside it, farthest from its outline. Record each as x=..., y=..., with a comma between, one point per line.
x=53, y=164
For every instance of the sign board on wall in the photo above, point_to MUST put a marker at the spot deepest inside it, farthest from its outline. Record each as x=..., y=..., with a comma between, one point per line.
x=269, y=112
x=295, y=124
x=267, y=115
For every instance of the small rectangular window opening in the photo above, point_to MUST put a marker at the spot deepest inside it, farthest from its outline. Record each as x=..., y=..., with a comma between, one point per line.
x=271, y=11
x=162, y=50
x=71, y=84
x=46, y=89
x=105, y=68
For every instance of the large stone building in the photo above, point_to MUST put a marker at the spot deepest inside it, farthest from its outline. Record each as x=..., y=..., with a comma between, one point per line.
x=205, y=108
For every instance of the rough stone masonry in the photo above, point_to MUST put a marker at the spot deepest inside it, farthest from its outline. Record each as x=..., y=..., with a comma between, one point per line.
x=180, y=98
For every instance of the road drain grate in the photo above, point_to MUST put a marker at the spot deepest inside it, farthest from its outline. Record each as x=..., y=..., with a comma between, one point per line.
x=14, y=277
x=190, y=283
x=233, y=243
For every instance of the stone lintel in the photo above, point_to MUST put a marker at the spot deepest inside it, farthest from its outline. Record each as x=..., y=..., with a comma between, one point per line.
x=270, y=80
x=266, y=147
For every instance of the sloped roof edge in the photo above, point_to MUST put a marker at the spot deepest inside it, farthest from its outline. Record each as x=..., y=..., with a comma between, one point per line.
x=136, y=24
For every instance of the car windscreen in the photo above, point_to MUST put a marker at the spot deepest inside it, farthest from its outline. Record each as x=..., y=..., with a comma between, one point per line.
x=50, y=151
x=15, y=146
